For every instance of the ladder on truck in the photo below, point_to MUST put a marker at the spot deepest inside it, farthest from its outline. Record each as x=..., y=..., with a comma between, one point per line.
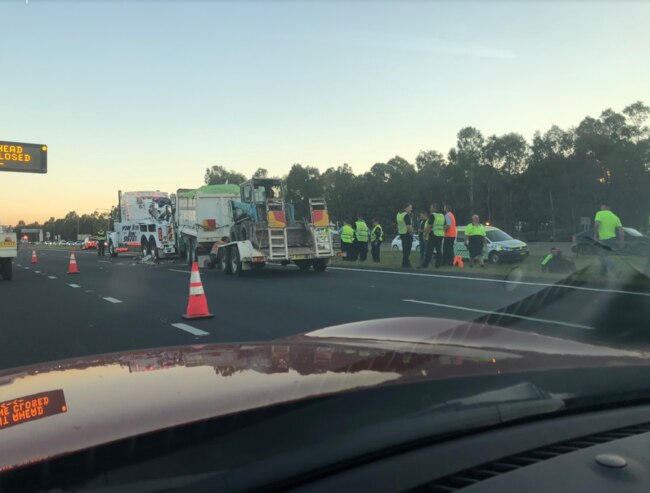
x=278, y=247
x=278, y=242
x=320, y=249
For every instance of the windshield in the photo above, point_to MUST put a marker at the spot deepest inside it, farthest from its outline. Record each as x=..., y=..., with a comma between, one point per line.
x=498, y=235
x=208, y=209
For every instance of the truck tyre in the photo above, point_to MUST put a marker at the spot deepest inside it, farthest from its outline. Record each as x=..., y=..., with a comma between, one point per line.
x=303, y=264
x=6, y=269
x=235, y=261
x=153, y=249
x=111, y=249
x=144, y=246
x=320, y=265
x=189, y=252
x=223, y=258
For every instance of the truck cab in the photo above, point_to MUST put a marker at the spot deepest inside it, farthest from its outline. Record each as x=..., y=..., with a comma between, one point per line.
x=8, y=251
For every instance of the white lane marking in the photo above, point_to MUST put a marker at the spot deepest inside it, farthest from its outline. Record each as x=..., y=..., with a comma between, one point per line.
x=26, y=268
x=74, y=285
x=51, y=277
x=502, y=314
x=37, y=271
x=487, y=279
x=104, y=261
x=19, y=265
x=112, y=300
x=191, y=330
x=183, y=271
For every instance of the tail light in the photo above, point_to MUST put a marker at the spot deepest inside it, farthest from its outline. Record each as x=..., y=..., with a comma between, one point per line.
x=159, y=234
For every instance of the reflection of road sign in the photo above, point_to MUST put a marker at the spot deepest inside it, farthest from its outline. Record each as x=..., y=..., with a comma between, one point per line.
x=585, y=221
x=519, y=225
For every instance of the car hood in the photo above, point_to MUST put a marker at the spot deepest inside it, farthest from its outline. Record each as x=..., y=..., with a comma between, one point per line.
x=51, y=409
x=510, y=243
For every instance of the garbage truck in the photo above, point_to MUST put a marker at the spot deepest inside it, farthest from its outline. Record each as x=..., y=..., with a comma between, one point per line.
x=144, y=224
x=262, y=229
x=8, y=251
x=201, y=218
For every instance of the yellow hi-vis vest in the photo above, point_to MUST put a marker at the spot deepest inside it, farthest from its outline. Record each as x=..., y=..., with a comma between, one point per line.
x=347, y=234
x=362, y=231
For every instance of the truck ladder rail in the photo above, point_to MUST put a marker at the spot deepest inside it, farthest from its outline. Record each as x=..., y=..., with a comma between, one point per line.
x=278, y=244
x=327, y=250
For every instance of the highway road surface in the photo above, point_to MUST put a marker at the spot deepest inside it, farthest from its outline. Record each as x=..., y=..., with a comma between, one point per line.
x=117, y=304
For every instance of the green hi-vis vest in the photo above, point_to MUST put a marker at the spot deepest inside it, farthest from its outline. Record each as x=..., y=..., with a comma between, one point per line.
x=401, y=224
x=377, y=234
x=101, y=235
x=547, y=259
x=347, y=234
x=362, y=231
x=438, y=224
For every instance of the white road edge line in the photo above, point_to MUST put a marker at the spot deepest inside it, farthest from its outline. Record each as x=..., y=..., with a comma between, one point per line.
x=502, y=314
x=74, y=285
x=191, y=330
x=485, y=279
x=177, y=270
x=112, y=300
x=51, y=277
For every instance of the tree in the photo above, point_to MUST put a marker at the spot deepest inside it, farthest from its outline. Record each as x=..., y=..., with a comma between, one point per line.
x=261, y=173
x=303, y=183
x=218, y=175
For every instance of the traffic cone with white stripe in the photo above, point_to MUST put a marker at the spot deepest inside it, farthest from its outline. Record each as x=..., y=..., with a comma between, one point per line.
x=72, y=269
x=197, y=304
x=34, y=257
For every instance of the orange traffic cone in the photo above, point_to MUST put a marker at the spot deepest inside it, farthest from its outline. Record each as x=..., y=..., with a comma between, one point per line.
x=197, y=304
x=72, y=269
x=34, y=257
x=458, y=261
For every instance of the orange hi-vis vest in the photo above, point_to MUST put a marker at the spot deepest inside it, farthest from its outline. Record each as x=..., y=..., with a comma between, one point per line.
x=451, y=232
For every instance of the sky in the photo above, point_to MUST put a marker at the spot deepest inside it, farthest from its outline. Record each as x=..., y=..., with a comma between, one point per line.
x=146, y=95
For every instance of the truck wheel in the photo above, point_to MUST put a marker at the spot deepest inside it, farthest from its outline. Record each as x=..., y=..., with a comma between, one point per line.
x=111, y=249
x=223, y=257
x=320, y=265
x=153, y=249
x=189, y=252
x=303, y=264
x=144, y=246
x=6, y=269
x=235, y=262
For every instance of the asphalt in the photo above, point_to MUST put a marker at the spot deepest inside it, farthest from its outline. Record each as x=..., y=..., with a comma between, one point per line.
x=117, y=304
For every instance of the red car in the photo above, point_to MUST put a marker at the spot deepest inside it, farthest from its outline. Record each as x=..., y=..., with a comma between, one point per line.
x=388, y=405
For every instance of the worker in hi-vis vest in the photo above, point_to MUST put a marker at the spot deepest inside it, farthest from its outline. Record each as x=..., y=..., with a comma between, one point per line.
x=376, y=237
x=347, y=238
x=448, y=253
x=361, y=235
x=405, y=232
x=436, y=232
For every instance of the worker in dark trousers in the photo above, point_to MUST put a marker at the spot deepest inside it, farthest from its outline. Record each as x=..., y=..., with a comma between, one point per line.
x=436, y=232
x=376, y=237
x=422, y=239
x=361, y=237
x=450, y=237
x=405, y=232
x=347, y=239
x=101, y=240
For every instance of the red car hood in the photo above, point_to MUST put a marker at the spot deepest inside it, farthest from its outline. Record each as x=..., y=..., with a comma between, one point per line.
x=56, y=408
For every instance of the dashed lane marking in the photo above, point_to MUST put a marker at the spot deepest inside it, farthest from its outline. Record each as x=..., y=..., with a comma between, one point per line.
x=501, y=314
x=112, y=300
x=191, y=330
x=37, y=271
x=51, y=277
x=104, y=261
x=74, y=285
x=177, y=270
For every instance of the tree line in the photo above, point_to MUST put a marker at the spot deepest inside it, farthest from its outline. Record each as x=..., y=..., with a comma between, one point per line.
x=541, y=188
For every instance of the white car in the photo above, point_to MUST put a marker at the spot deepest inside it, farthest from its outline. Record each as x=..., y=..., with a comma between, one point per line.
x=501, y=247
x=396, y=244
